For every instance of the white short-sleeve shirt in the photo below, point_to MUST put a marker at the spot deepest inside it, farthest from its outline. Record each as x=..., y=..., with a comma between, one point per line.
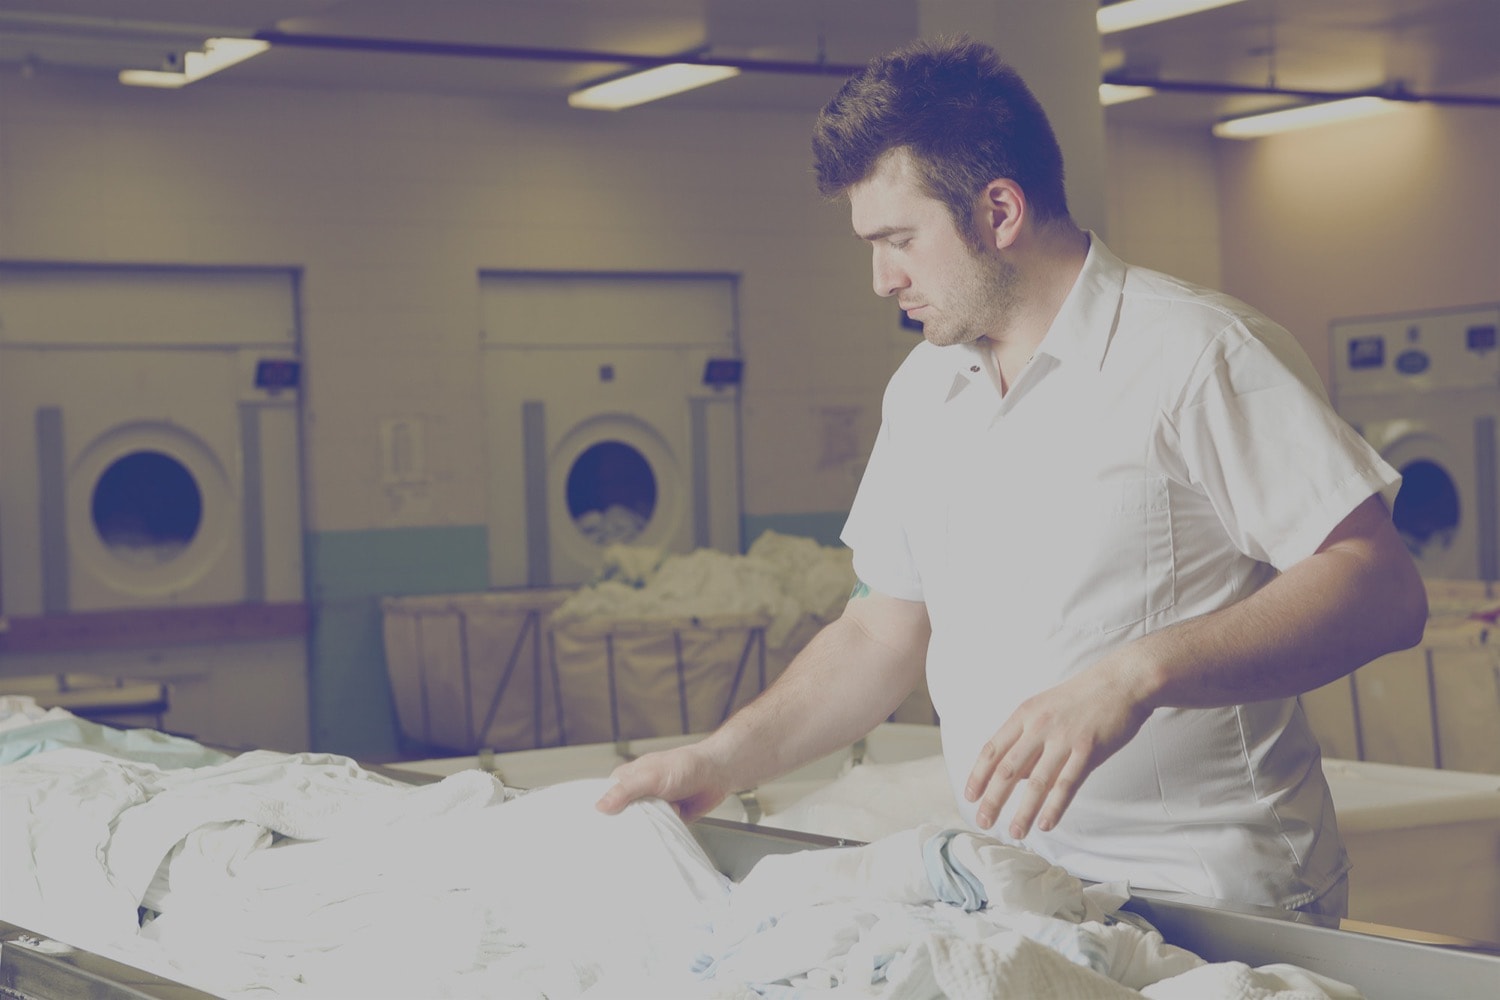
x=1166, y=451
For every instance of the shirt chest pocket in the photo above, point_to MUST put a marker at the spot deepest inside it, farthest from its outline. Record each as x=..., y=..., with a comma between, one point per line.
x=1118, y=561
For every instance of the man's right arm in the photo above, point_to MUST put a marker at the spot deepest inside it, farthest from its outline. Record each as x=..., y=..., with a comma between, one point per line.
x=847, y=680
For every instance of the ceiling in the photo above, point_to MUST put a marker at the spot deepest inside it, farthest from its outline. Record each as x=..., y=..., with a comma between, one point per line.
x=531, y=48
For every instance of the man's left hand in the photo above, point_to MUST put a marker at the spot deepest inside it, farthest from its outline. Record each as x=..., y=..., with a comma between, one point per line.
x=1052, y=742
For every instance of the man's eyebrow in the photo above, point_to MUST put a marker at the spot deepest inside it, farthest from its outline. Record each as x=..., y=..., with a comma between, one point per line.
x=882, y=233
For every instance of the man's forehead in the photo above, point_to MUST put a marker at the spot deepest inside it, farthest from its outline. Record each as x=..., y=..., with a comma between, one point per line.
x=890, y=199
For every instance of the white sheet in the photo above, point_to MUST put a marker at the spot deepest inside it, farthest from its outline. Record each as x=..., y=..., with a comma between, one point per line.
x=868, y=919
x=305, y=876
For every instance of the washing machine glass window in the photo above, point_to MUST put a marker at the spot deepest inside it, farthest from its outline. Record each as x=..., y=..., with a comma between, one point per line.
x=152, y=511
x=1427, y=507
x=147, y=508
x=611, y=492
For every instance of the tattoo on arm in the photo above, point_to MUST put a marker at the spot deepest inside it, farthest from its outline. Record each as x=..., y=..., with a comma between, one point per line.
x=861, y=589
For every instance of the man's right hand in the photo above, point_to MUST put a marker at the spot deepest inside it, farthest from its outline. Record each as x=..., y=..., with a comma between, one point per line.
x=872, y=654
x=689, y=778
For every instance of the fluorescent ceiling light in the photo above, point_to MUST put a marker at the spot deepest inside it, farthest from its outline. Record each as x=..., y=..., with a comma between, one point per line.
x=1303, y=116
x=217, y=54
x=1117, y=93
x=1134, y=13
x=152, y=78
x=649, y=85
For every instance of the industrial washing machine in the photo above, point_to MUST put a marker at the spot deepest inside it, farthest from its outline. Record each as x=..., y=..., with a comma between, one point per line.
x=1424, y=390
x=150, y=487
x=612, y=417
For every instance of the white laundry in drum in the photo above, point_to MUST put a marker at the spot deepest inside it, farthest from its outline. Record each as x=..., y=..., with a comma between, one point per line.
x=611, y=526
x=147, y=509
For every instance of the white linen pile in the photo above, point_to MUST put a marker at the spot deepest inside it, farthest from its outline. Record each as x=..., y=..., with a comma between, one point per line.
x=790, y=579
x=306, y=876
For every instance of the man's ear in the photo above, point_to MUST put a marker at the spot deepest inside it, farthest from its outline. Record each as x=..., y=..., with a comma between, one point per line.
x=1002, y=211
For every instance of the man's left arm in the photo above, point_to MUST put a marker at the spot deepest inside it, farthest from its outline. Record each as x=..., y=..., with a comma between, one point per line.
x=1357, y=597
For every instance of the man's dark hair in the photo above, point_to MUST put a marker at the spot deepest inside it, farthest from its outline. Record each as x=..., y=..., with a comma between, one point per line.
x=965, y=117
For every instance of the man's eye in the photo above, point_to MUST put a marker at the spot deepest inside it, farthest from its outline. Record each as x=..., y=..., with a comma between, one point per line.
x=899, y=244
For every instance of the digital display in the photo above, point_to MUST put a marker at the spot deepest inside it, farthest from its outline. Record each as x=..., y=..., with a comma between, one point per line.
x=277, y=373
x=1480, y=338
x=1366, y=352
x=723, y=371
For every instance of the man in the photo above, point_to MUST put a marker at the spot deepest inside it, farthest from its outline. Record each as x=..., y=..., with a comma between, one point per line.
x=1113, y=510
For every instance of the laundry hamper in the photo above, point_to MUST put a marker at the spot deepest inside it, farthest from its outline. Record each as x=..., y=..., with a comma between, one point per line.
x=622, y=679
x=492, y=671
x=499, y=671
x=1435, y=705
x=470, y=671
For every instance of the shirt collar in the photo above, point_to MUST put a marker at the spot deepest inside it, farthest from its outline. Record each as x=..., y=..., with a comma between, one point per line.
x=1082, y=327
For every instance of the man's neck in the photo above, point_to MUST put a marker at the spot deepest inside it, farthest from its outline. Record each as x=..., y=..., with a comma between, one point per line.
x=1049, y=263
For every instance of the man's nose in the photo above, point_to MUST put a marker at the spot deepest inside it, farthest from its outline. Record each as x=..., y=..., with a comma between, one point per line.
x=888, y=279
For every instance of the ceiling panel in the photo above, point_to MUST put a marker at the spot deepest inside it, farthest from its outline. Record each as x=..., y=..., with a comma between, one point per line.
x=1427, y=46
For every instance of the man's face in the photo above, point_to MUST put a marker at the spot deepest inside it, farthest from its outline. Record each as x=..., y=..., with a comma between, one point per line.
x=958, y=290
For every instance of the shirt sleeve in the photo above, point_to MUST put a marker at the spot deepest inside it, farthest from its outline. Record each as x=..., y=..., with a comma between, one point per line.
x=1259, y=437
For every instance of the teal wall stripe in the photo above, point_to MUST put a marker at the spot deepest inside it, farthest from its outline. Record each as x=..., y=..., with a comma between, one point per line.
x=822, y=526
x=348, y=573
x=397, y=561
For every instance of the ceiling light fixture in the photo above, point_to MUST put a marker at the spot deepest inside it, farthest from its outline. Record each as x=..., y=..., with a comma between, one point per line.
x=1304, y=116
x=649, y=85
x=217, y=54
x=1134, y=13
x=1114, y=93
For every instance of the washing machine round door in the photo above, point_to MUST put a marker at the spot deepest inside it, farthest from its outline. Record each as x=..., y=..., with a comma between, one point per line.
x=614, y=481
x=1437, y=503
x=150, y=513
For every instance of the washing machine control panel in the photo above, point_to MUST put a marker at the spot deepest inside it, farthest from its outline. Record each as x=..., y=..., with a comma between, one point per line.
x=1455, y=349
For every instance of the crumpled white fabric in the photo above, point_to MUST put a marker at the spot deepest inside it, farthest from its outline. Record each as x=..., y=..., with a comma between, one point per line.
x=27, y=728
x=305, y=876
x=17, y=711
x=850, y=915
x=1003, y=965
x=543, y=892
x=785, y=577
x=56, y=813
x=867, y=921
x=1238, y=981
x=892, y=869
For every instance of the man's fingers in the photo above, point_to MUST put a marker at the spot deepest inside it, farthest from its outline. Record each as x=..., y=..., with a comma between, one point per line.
x=985, y=764
x=1036, y=791
x=633, y=780
x=1063, y=789
x=677, y=777
x=1042, y=784
x=990, y=784
x=614, y=799
x=1048, y=792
